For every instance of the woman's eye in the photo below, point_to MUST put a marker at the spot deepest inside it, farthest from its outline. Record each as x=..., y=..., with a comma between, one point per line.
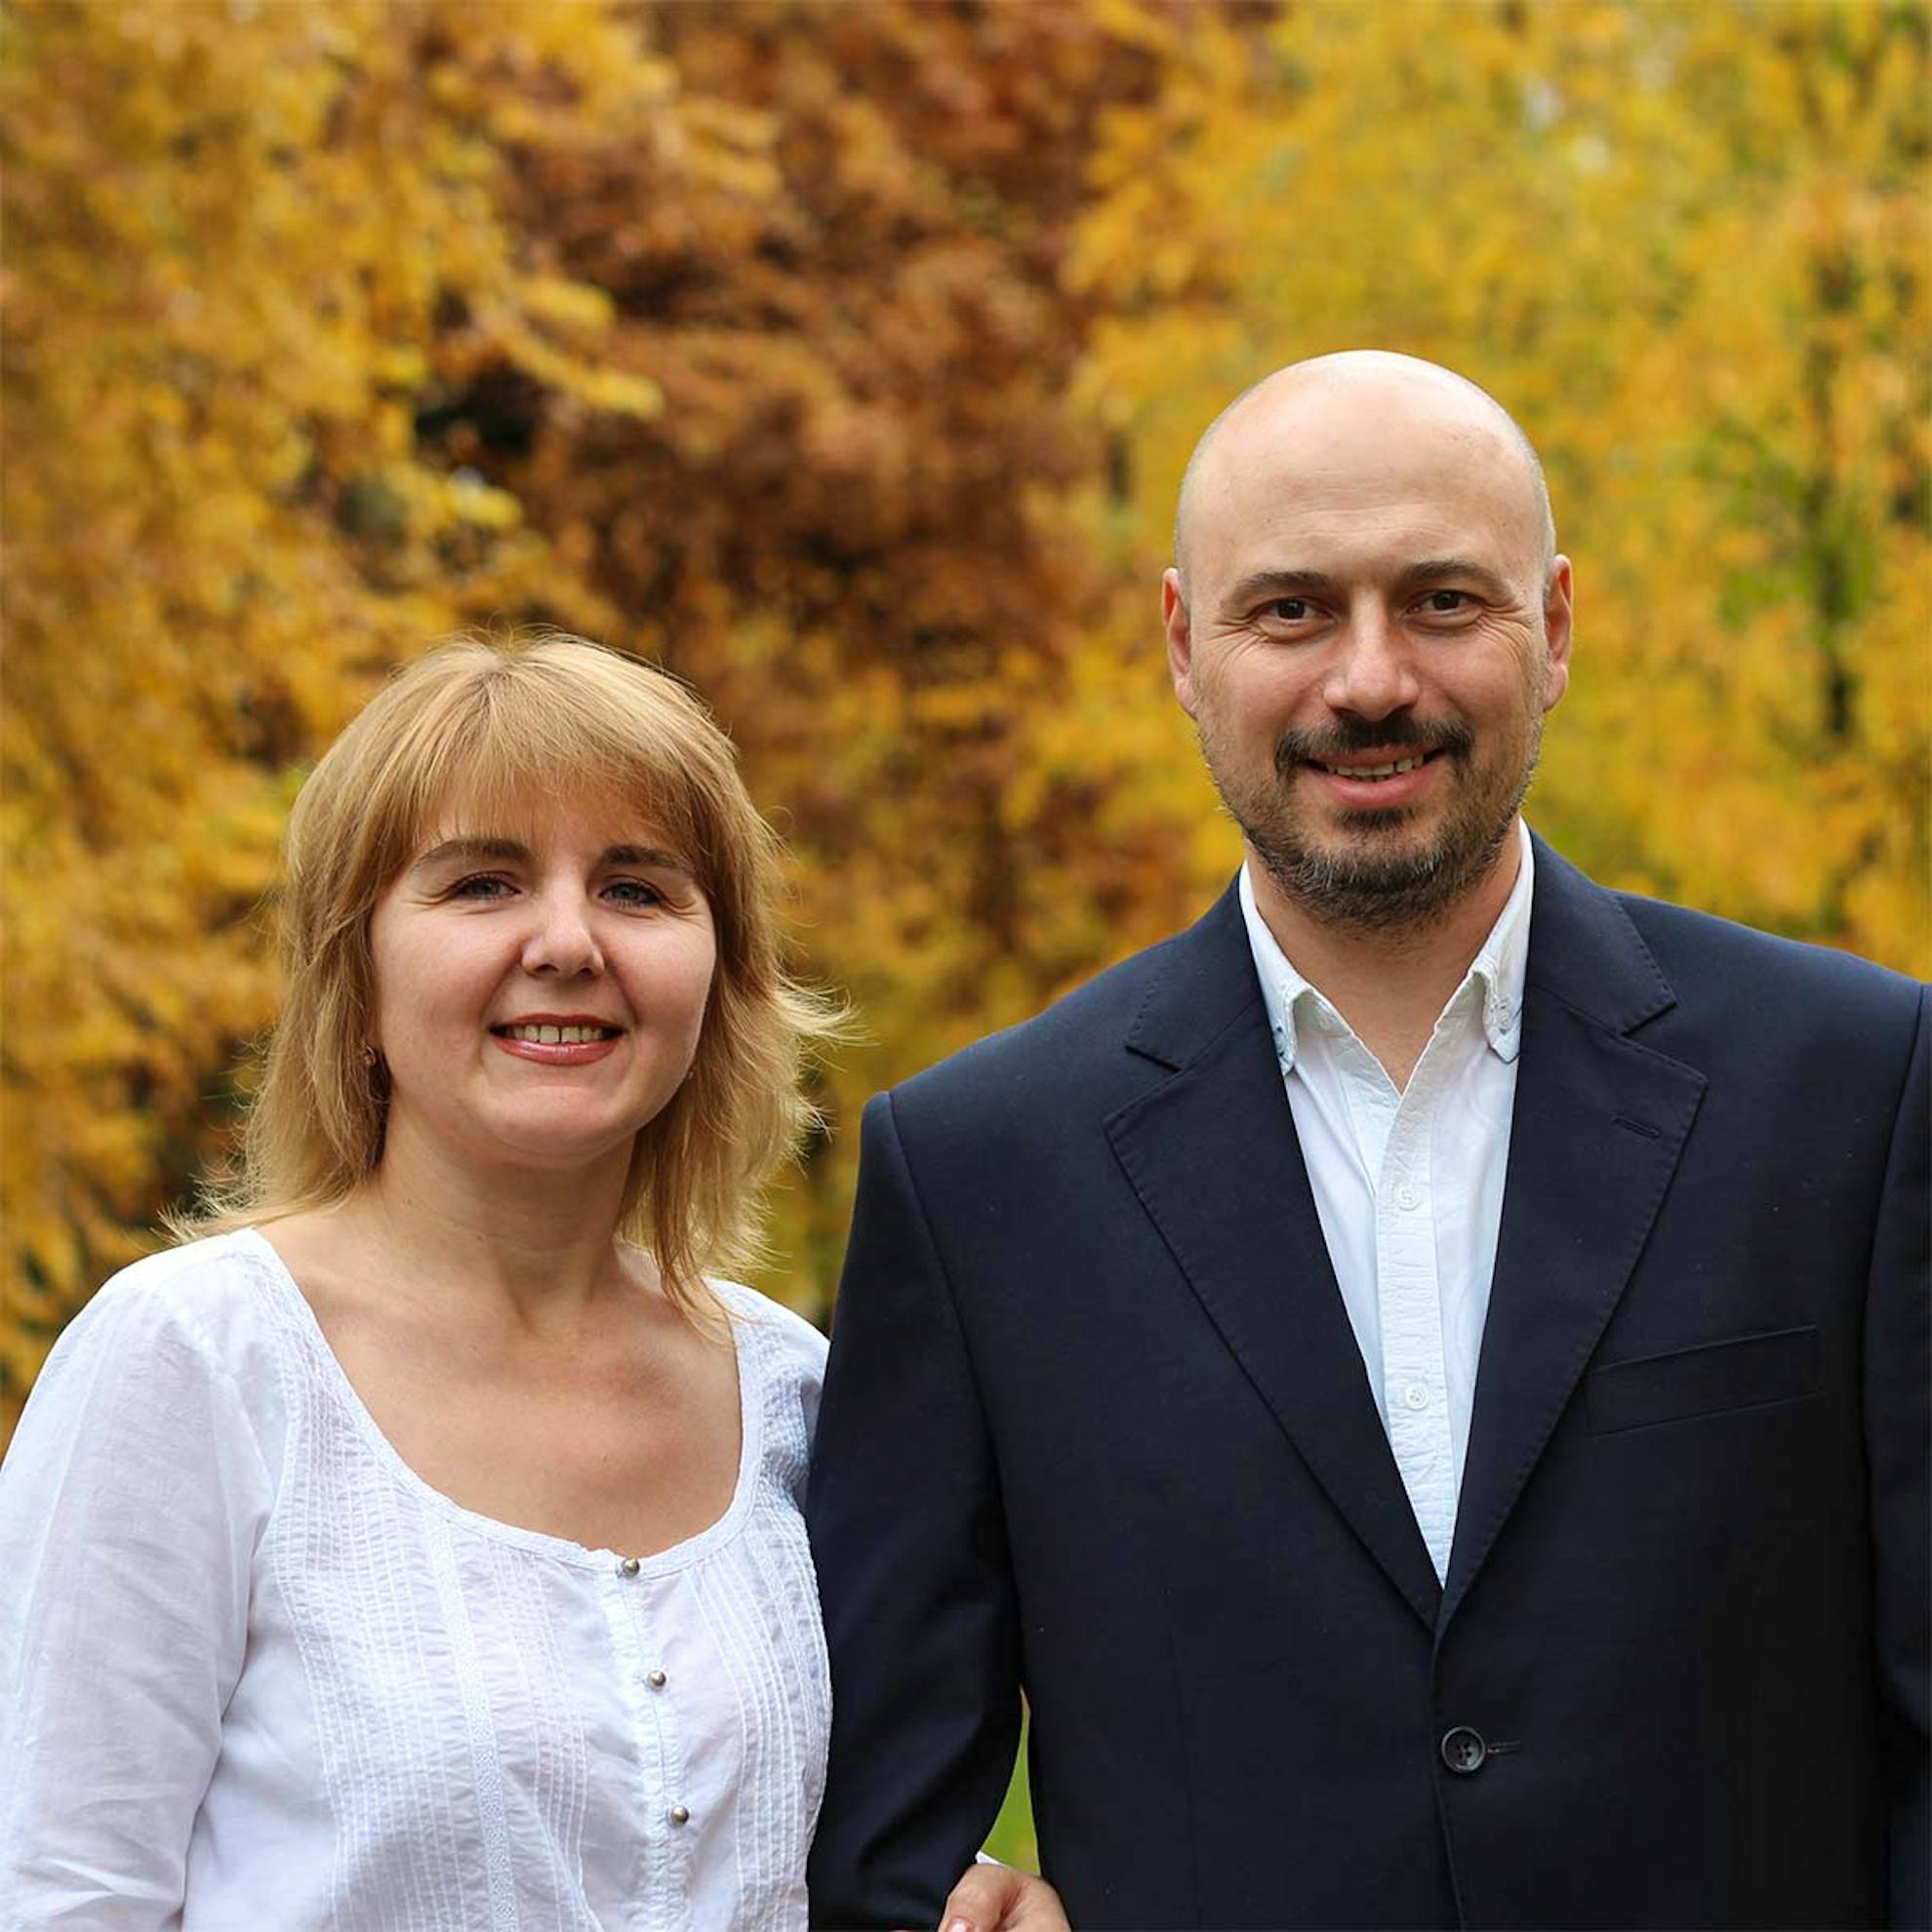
x=481, y=885
x=634, y=892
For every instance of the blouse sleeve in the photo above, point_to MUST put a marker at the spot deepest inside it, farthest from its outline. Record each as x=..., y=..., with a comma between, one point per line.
x=129, y=1506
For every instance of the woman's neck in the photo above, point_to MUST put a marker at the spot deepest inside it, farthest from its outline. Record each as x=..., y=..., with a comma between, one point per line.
x=507, y=1246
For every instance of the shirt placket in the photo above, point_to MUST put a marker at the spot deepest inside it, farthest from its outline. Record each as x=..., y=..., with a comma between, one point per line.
x=1414, y=1392
x=644, y=1681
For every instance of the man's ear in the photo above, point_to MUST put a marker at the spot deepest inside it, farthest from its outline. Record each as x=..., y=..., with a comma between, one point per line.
x=1558, y=612
x=1180, y=639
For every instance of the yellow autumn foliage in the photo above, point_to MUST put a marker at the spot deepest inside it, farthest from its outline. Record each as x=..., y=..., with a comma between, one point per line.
x=243, y=243
x=1688, y=246
x=846, y=359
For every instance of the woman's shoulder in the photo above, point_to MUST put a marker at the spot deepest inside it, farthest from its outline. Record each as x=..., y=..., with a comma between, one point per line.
x=772, y=1330
x=198, y=1280
x=211, y=1302
x=781, y=1371
x=176, y=1360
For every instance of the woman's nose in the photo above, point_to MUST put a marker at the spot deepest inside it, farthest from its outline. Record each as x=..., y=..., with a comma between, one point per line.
x=561, y=939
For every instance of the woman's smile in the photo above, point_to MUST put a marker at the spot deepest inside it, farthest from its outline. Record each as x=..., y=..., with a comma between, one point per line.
x=557, y=1039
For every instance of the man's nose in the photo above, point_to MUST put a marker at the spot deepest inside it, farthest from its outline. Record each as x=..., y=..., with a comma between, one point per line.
x=561, y=939
x=1372, y=673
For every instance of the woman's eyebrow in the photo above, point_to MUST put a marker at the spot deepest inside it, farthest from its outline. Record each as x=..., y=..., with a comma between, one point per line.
x=645, y=855
x=468, y=849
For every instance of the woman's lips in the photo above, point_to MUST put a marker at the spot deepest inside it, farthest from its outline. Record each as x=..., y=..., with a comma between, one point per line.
x=559, y=1053
x=560, y=1042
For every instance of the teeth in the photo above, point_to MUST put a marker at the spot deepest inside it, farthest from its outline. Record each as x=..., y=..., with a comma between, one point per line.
x=558, y=1035
x=1373, y=770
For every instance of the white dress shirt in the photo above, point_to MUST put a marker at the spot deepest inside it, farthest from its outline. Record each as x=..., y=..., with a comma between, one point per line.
x=1408, y=1186
x=255, y=1673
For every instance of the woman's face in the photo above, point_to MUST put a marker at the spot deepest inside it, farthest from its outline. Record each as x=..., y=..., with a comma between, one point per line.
x=539, y=987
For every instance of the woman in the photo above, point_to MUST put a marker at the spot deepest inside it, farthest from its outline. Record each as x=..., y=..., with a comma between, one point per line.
x=420, y=1547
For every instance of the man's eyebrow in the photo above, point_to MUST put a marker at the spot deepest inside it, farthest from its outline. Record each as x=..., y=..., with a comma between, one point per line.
x=1434, y=570
x=1261, y=583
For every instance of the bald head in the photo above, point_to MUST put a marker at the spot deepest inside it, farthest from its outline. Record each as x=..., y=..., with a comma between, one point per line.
x=1346, y=398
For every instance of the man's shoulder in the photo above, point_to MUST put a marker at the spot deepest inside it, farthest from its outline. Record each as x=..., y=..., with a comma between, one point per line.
x=1690, y=946
x=1623, y=952
x=1739, y=1004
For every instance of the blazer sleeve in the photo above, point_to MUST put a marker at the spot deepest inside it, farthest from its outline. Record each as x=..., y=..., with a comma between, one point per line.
x=908, y=1533
x=1898, y=1376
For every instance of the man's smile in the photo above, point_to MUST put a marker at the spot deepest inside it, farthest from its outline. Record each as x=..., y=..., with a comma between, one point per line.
x=1407, y=762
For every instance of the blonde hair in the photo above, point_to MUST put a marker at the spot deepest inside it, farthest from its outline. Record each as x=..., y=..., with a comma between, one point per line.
x=496, y=725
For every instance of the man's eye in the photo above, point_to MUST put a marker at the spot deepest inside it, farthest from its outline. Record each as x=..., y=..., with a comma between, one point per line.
x=1443, y=603
x=1290, y=610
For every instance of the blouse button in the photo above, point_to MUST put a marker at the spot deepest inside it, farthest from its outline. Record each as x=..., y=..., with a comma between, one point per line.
x=628, y=1566
x=655, y=1678
x=679, y=1816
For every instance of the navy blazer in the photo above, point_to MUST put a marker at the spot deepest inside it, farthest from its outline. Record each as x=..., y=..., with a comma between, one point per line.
x=1094, y=1425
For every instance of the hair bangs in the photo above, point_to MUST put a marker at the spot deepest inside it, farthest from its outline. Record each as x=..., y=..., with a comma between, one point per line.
x=508, y=743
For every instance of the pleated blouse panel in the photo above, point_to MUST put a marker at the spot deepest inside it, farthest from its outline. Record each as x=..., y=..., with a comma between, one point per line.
x=441, y=1720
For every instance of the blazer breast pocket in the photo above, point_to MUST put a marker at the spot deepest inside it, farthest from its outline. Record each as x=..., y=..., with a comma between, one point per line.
x=1743, y=1374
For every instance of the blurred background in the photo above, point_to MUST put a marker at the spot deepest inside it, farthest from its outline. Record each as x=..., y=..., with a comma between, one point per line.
x=844, y=358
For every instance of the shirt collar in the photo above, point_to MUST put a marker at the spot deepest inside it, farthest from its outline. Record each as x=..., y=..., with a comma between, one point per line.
x=1494, y=976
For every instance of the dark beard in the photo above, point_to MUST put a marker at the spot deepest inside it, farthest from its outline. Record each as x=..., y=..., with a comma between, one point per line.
x=1370, y=891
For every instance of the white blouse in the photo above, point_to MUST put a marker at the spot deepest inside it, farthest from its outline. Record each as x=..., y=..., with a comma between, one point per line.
x=257, y=1675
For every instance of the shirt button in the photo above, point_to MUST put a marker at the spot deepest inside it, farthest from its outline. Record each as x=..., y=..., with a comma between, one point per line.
x=655, y=1678
x=1415, y=1396
x=679, y=1816
x=1407, y=1198
x=628, y=1566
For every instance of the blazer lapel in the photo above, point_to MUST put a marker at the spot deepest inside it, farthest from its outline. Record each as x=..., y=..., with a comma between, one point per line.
x=1599, y=1124
x=1212, y=1154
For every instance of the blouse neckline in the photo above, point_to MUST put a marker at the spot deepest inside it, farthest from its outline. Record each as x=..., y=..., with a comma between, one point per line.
x=679, y=1557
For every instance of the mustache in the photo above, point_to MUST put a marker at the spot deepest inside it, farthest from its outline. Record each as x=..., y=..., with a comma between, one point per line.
x=1350, y=736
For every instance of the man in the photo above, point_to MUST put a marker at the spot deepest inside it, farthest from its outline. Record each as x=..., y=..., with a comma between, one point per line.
x=1422, y=1378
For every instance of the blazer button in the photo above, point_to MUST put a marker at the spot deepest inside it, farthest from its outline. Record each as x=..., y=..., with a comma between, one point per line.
x=1464, y=1751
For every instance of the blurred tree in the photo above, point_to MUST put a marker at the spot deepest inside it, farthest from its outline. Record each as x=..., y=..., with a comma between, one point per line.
x=735, y=335
x=241, y=240
x=1688, y=246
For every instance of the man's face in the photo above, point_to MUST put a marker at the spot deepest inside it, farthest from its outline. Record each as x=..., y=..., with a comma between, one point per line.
x=1367, y=640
